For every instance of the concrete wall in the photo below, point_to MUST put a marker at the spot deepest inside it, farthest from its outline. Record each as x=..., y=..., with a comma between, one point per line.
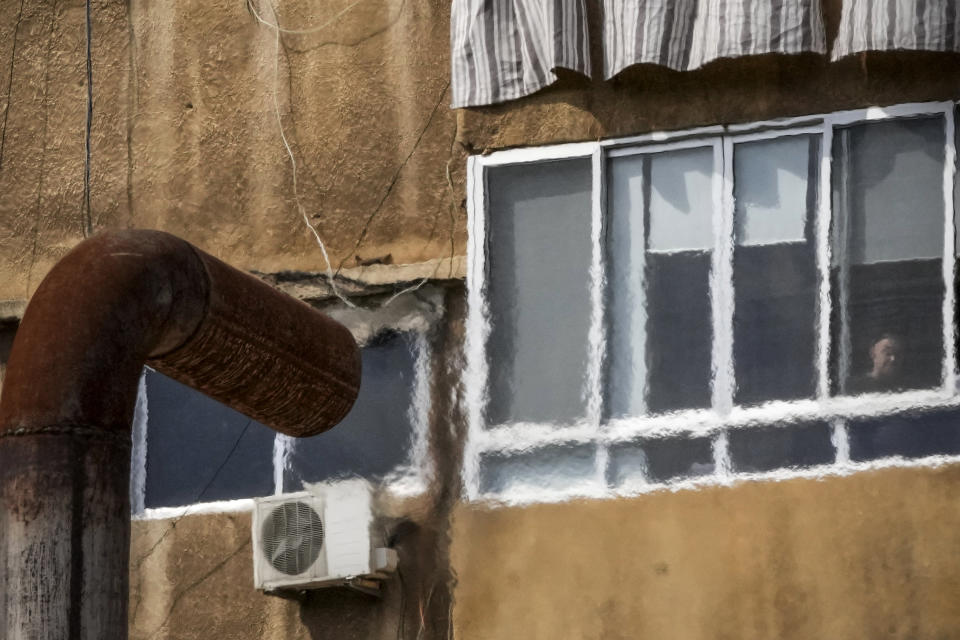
x=184, y=135
x=868, y=556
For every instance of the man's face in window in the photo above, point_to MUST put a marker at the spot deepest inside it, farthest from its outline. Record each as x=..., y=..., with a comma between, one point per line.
x=886, y=354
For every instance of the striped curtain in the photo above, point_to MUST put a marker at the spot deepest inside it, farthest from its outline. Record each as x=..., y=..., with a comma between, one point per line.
x=686, y=34
x=873, y=25
x=505, y=49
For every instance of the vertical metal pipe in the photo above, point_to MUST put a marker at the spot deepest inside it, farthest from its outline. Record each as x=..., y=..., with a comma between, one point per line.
x=116, y=301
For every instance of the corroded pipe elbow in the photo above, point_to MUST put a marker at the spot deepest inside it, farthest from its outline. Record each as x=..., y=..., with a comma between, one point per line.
x=117, y=301
x=125, y=298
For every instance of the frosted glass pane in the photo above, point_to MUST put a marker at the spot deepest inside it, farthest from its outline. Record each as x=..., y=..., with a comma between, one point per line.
x=912, y=434
x=670, y=458
x=681, y=200
x=887, y=281
x=199, y=450
x=554, y=467
x=659, y=460
x=771, y=180
x=794, y=446
x=626, y=295
x=774, y=269
x=658, y=302
x=892, y=190
x=376, y=437
x=539, y=251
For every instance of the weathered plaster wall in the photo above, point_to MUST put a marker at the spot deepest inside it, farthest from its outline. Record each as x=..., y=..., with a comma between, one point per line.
x=873, y=555
x=185, y=138
x=192, y=578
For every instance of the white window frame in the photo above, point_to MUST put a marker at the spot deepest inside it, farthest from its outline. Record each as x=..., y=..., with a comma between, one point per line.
x=722, y=415
x=406, y=480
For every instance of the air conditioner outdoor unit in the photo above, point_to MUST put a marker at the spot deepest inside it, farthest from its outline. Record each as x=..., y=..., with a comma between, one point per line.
x=318, y=538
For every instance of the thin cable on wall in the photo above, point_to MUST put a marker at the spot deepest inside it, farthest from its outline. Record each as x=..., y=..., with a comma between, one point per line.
x=286, y=145
x=278, y=29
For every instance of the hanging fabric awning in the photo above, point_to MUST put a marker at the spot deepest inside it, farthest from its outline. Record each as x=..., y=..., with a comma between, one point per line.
x=686, y=34
x=920, y=25
x=505, y=49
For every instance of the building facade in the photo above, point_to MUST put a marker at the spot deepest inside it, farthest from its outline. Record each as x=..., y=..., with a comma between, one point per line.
x=656, y=300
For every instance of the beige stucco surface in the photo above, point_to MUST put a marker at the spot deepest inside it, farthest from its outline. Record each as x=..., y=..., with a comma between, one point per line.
x=874, y=555
x=191, y=577
x=185, y=138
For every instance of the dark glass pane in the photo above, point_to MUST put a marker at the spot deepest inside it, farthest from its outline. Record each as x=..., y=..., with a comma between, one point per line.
x=659, y=460
x=7, y=332
x=911, y=435
x=659, y=240
x=777, y=447
x=680, y=330
x=555, y=467
x=539, y=252
x=199, y=450
x=670, y=458
x=887, y=280
x=376, y=437
x=775, y=275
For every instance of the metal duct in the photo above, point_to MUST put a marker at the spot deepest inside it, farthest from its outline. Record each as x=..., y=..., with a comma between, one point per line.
x=117, y=301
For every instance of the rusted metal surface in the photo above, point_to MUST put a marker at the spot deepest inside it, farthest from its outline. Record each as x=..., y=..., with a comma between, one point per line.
x=271, y=358
x=118, y=300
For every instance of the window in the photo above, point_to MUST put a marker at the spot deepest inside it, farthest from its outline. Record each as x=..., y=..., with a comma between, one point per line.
x=190, y=449
x=694, y=307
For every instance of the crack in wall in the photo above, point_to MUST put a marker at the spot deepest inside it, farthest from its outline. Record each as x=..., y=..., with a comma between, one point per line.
x=133, y=104
x=396, y=177
x=6, y=108
x=43, y=153
x=193, y=585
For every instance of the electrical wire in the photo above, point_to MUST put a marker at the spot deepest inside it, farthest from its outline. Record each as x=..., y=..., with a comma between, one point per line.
x=278, y=29
x=309, y=30
x=202, y=493
x=283, y=137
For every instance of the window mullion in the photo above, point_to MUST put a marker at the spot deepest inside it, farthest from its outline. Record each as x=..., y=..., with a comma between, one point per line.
x=824, y=215
x=282, y=446
x=597, y=337
x=478, y=324
x=721, y=294
x=949, y=251
x=721, y=278
x=138, y=463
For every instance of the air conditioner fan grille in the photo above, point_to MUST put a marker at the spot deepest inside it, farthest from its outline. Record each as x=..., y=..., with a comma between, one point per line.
x=292, y=537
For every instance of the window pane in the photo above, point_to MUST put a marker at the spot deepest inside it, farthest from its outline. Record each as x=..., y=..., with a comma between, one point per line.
x=774, y=266
x=911, y=435
x=539, y=252
x=660, y=460
x=555, y=467
x=376, y=437
x=199, y=450
x=887, y=253
x=659, y=240
x=782, y=446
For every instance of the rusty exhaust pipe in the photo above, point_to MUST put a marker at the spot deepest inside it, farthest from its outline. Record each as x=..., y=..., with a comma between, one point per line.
x=117, y=301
